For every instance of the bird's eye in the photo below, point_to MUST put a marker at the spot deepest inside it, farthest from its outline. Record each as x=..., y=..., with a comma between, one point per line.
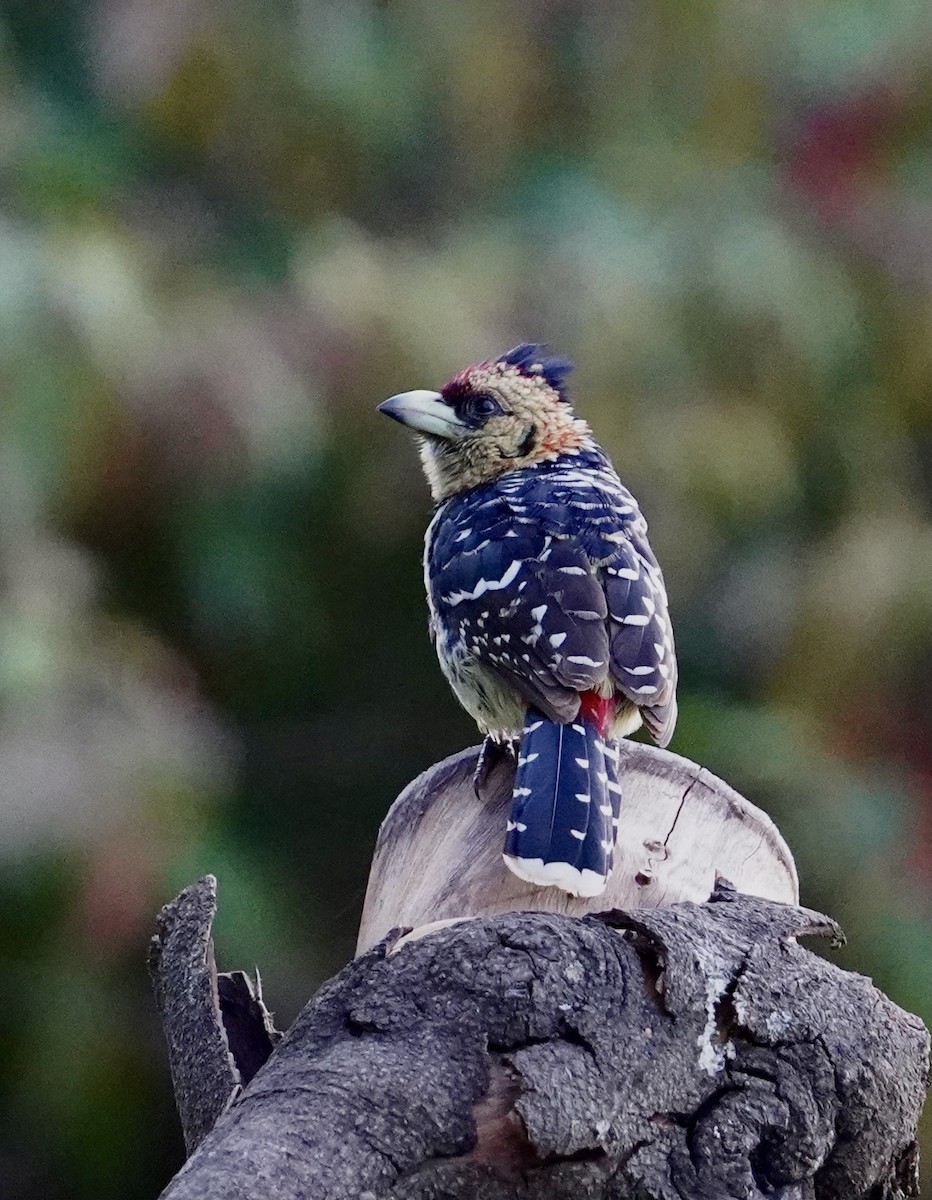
x=481, y=406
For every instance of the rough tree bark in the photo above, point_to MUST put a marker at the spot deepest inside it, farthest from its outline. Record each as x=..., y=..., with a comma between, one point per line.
x=689, y=1052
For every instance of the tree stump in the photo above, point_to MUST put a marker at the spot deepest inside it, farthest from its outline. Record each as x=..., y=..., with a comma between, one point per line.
x=439, y=851
x=686, y=1049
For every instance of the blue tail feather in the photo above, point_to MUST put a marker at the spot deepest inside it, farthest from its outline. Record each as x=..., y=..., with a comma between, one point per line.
x=565, y=806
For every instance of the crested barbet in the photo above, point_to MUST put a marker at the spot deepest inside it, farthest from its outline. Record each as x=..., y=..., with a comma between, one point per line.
x=547, y=606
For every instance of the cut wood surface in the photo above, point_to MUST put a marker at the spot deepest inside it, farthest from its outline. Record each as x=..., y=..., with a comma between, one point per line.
x=439, y=851
x=690, y=1052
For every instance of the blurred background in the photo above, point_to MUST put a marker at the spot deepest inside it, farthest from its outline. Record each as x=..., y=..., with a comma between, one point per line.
x=227, y=230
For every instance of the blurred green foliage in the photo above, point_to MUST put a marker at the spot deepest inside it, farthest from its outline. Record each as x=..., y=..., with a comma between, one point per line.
x=226, y=232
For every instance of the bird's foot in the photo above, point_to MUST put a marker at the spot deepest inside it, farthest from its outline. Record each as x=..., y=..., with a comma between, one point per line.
x=492, y=753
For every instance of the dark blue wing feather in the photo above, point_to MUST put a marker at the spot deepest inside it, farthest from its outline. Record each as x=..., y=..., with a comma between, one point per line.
x=547, y=577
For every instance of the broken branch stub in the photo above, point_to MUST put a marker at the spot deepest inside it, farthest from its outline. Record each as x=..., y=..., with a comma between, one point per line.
x=694, y=1052
x=439, y=851
x=218, y=1030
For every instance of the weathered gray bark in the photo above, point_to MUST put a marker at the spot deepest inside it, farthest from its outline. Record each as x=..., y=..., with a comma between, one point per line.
x=694, y=1052
x=216, y=1025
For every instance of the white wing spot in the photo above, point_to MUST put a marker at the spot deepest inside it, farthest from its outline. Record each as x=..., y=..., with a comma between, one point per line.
x=486, y=585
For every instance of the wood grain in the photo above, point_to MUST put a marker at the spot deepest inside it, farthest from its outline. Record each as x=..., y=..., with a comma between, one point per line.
x=438, y=855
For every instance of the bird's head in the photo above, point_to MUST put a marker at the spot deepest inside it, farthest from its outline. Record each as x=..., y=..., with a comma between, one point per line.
x=497, y=416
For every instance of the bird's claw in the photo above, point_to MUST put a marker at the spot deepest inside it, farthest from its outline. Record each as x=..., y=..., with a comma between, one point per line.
x=490, y=755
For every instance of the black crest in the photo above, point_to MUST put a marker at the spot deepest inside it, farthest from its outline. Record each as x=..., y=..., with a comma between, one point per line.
x=531, y=359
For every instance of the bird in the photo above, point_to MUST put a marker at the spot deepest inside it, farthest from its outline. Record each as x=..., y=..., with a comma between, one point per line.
x=547, y=606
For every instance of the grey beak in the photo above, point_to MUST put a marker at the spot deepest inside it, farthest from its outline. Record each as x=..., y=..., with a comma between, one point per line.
x=426, y=412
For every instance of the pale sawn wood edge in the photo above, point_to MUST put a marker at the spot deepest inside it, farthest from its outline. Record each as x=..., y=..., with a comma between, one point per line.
x=437, y=855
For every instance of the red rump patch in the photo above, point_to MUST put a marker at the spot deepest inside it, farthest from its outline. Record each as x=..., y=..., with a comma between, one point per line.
x=598, y=710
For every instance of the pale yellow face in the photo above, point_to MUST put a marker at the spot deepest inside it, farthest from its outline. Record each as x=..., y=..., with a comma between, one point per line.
x=501, y=420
